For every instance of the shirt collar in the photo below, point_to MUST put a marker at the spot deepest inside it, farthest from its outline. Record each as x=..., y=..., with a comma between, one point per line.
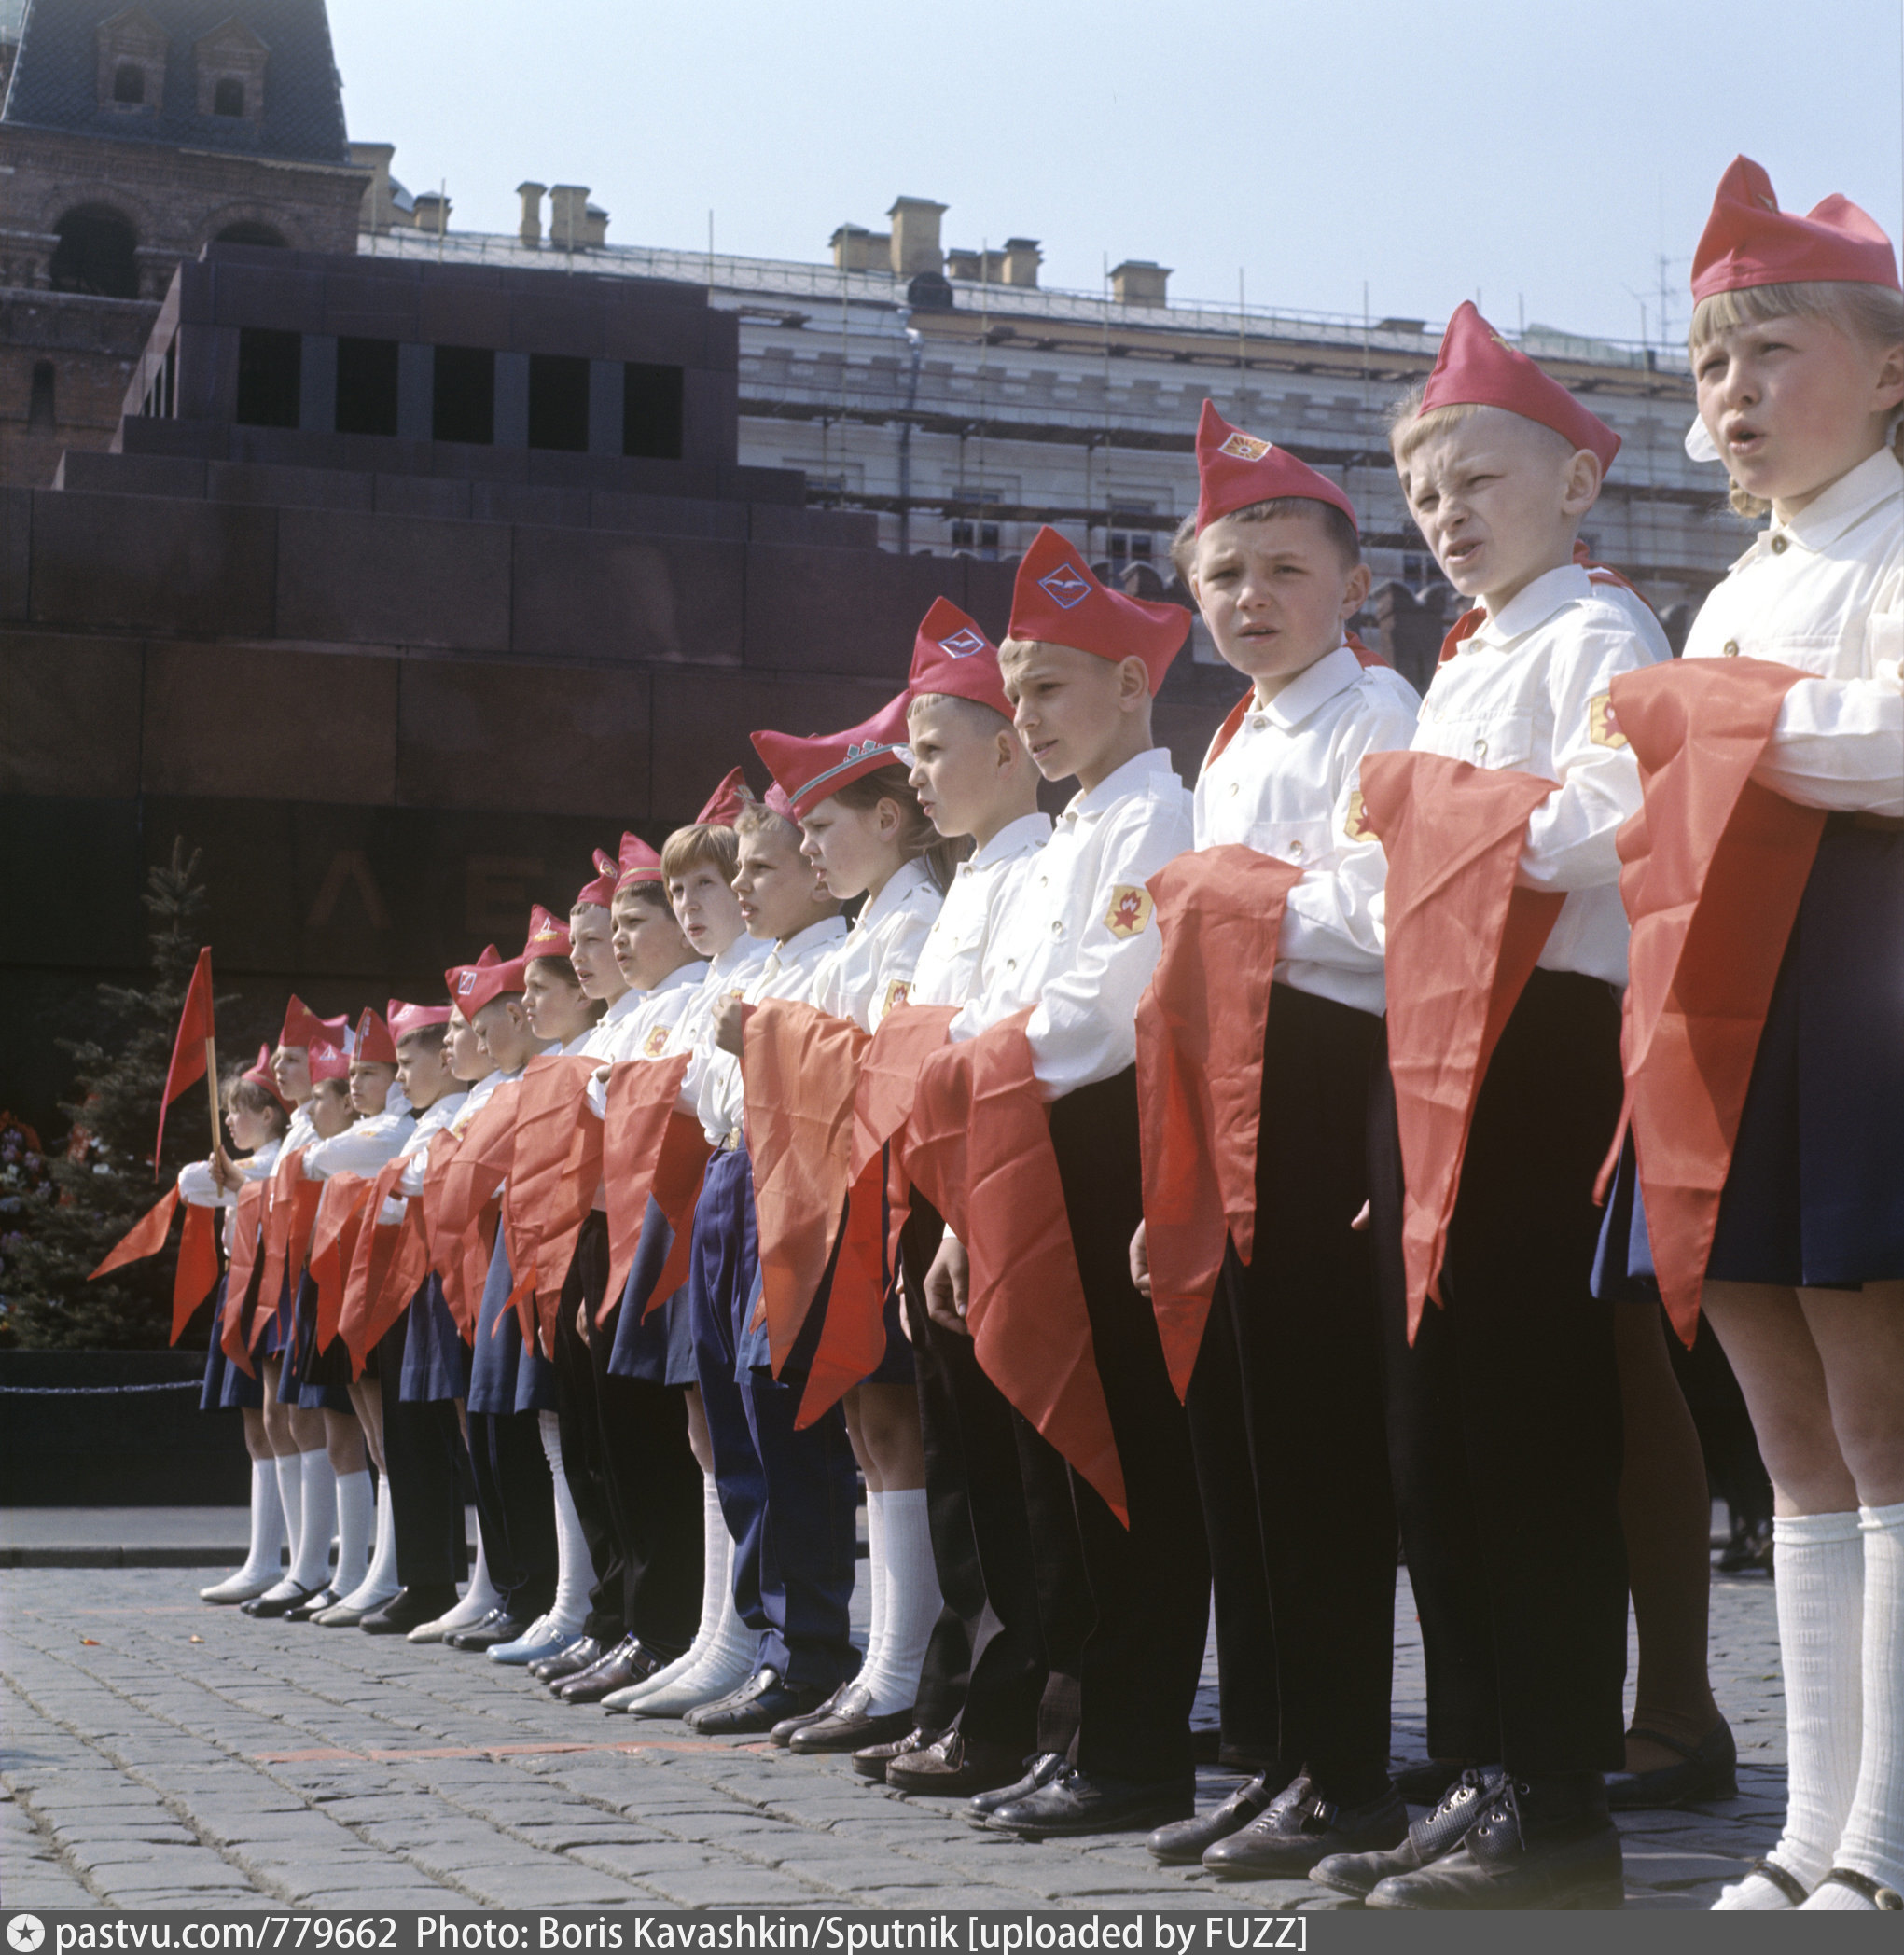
x=744, y=950
x=1132, y=778
x=630, y=1001
x=692, y=973
x=815, y=937
x=902, y=887
x=1531, y=605
x=1029, y=831
x=1824, y=519
x=1313, y=686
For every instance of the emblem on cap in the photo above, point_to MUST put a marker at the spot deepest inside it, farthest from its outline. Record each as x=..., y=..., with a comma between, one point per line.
x=1245, y=448
x=466, y=983
x=967, y=644
x=1065, y=586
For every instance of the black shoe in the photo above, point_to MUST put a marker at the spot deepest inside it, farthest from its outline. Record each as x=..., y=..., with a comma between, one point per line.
x=484, y=1633
x=408, y=1607
x=872, y=1760
x=1301, y=1827
x=314, y=1604
x=756, y=1705
x=1708, y=1770
x=570, y=1658
x=1039, y=1772
x=955, y=1767
x=276, y=1601
x=1443, y=1830
x=631, y=1661
x=1182, y=1842
x=1546, y=1843
x=1078, y=1802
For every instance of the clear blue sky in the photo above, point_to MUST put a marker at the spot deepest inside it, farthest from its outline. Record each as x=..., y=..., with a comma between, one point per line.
x=1544, y=155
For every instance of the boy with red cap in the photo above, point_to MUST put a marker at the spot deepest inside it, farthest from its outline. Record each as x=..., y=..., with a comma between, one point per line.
x=1075, y=948
x=1504, y=1408
x=1285, y=1392
x=1769, y=1181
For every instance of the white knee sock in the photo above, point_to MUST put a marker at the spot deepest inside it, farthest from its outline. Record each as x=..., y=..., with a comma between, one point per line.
x=312, y=1569
x=1873, y=1843
x=478, y=1598
x=574, y=1570
x=876, y=1582
x=356, y=1516
x=267, y=1523
x=380, y=1579
x=912, y=1604
x=1819, y=1559
x=288, y=1471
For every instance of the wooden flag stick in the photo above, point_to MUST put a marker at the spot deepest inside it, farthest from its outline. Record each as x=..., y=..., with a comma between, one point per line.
x=212, y=1090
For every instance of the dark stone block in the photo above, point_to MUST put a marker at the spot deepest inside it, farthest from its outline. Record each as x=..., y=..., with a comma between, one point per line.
x=566, y=319
x=463, y=316
x=554, y=740
x=422, y=495
x=87, y=471
x=231, y=721
x=668, y=336
x=841, y=611
x=76, y=872
x=524, y=502
x=368, y=308
x=393, y=580
x=668, y=515
x=205, y=440
x=476, y=463
x=723, y=339
x=709, y=416
x=208, y=373
x=197, y=293
x=988, y=595
x=786, y=487
x=596, y=594
x=152, y=564
x=69, y=717
x=676, y=481
x=289, y=488
x=274, y=295
x=16, y=550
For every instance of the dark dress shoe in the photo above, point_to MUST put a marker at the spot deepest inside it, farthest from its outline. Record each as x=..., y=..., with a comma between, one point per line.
x=1038, y=1772
x=1440, y=1832
x=955, y=1767
x=339, y=1615
x=408, y=1607
x=274, y=1602
x=1707, y=1770
x=569, y=1659
x=1300, y=1827
x=849, y=1725
x=1546, y=1843
x=631, y=1661
x=486, y=1631
x=312, y=1604
x=1182, y=1843
x=1077, y=1801
x=756, y=1705
x=873, y=1761
x=785, y=1729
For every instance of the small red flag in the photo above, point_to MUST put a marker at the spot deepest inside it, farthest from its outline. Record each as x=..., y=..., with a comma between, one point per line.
x=197, y=1264
x=188, y=1049
x=146, y=1237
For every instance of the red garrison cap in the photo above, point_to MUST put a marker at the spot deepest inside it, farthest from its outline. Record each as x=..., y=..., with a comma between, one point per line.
x=726, y=802
x=374, y=1046
x=486, y=982
x=951, y=655
x=330, y=1059
x=462, y=979
x=638, y=863
x=806, y=771
x=261, y=1074
x=303, y=1027
x=1235, y=469
x=405, y=1019
x=1476, y=368
x=1748, y=241
x=1057, y=601
x=548, y=934
x=601, y=890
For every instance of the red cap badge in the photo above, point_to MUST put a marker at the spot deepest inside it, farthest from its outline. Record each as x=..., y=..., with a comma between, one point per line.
x=952, y=656
x=601, y=890
x=1476, y=368
x=1748, y=241
x=806, y=771
x=1235, y=469
x=548, y=934
x=1057, y=601
x=373, y=1045
x=460, y=980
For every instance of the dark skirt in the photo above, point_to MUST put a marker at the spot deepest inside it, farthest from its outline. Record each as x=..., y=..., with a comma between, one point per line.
x=658, y=1349
x=435, y=1360
x=226, y=1388
x=1816, y=1195
x=505, y=1375
x=310, y=1378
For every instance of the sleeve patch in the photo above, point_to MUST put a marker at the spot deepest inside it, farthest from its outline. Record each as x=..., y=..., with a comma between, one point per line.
x=1601, y=724
x=1130, y=910
x=656, y=1042
x=898, y=991
x=1355, y=826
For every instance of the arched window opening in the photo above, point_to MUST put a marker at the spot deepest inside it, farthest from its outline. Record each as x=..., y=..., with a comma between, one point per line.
x=129, y=84
x=228, y=98
x=96, y=254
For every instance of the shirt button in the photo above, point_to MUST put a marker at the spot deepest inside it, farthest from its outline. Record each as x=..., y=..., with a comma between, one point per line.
x=1012, y=963
x=1044, y=882
x=1295, y=852
x=1236, y=787
x=1778, y=543
x=1730, y=648
x=1481, y=750
x=1259, y=723
x=1057, y=928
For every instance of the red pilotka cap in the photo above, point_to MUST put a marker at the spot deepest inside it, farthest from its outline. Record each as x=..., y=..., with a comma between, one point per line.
x=261, y=1074
x=405, y=1019
x=329, y=1058
x=638, y=863
x=1235, y=470
x=375, y=1045
x=952, y=655
x=547, y=936
x=806, y=771
x=725, y=803
x=474, y=985
x=601, y=890
x=303, y=1027
x=1057, y=601
x=1476, y=368
x=1748, y=241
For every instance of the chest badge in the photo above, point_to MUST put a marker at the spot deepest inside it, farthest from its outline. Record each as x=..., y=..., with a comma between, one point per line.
x=1130, y=911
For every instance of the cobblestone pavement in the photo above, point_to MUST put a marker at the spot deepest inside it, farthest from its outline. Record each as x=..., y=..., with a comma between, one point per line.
x=158, y=1753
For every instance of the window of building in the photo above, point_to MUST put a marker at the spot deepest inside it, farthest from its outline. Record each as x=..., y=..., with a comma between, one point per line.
x=1131, y=546
x=367, y=387
x=980, y=537
x=651, y=411
x=97, y=254
x=559, y=402
x=161, y=396
x=129, y=84
x=228, y=97
x=40, y=408
x=270, y=369
x=1414, y=569
x=463, y=395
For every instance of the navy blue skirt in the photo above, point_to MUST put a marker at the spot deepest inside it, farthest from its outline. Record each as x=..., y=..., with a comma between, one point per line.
x=226, y=1389
x=505, y=1375
x=1816, y=1195
x=659, y=1349
x=435, y=1360
x=306, y=1380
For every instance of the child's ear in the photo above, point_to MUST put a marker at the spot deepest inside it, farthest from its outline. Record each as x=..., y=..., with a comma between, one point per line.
x=1580, y=483
x=1355, y=592
x=1134, y=685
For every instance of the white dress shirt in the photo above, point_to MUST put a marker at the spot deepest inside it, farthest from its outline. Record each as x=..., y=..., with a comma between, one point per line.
x=952, y=961
x=1824, y=592
x=1529, y=691
x=863, y=977
x=438, y=1116
x=785, y=972
x=302, y=1129
x=1076, y=938
x=727, y=976
x=645, y=1032
x=196, y=1186
x=364, y=1144
x=1287, y=786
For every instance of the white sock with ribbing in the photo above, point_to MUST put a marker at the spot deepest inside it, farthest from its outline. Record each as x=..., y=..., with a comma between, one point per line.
x=575, y=1568
x=1872, y=1842
x=913, y=1602
x=713, y=1600
x=380, y=1581
x=1819, y=1563
x=313, y=1566
x=287, y=1469
x=260, y=1570
x=356, y=1518
x=876, y=1583
x=478, y=1599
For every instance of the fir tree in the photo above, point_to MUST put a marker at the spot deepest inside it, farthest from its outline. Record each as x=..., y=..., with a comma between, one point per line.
x=105, y=1178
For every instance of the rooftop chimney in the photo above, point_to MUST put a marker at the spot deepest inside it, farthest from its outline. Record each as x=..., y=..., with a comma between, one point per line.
x=1139, y=282
x=596, y=226
x=857, y=249
x=378, y=212
x=432, y=212
x=915, y=236
x=530, y=229
x=568, y=217
x=1022, y=260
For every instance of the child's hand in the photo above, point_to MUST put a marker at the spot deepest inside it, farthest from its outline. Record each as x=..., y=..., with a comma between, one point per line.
x=224, y=1173
x=729, y=1023
x=946, y=1287
x=1140, y=1260
x=602, y=1074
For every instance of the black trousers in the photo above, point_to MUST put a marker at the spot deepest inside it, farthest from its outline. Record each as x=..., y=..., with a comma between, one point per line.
x=1298, y=1331
x=1149, y=1583
x=644, y=1483
x=426, y=1458
x=578, y=1418
x=514, y=1501
x=1504, y=1417
x=985, y=1664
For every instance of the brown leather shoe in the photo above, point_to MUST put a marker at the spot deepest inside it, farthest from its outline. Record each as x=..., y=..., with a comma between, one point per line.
x=956, y=1768
x=848, y=1725
x=872, y=1761
x=631, y=1661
